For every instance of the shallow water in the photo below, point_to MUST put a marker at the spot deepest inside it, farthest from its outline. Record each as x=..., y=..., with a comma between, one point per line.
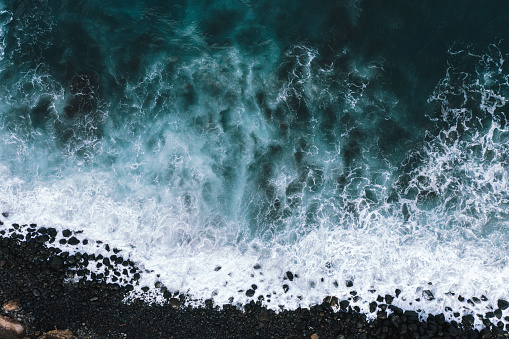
x=344, y=141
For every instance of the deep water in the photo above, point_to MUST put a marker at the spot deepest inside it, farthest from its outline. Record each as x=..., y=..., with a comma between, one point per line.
x=340, y=140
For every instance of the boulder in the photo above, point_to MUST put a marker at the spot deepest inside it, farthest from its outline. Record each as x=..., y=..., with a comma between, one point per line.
x=11, y=328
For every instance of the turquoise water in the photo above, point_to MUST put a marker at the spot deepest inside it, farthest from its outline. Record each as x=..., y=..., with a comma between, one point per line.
x=343, y=140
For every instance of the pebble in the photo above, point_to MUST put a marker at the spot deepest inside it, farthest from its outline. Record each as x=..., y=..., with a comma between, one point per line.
x=73, y=241
x=56, y=263
x=174, y=303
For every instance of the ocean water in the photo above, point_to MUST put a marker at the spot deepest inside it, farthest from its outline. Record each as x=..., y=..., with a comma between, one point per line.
x=221, y=144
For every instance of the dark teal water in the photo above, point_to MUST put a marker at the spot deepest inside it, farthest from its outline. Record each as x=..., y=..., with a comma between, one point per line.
x=350, y=139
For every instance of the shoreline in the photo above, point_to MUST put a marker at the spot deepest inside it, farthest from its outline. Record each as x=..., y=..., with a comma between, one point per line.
x=34, y=272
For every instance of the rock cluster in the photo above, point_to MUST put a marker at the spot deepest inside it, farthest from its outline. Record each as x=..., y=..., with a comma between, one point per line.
x=33, y=277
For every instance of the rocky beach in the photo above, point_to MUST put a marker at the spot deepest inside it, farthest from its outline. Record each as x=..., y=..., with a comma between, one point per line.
x=35, y=289
x=254, y=169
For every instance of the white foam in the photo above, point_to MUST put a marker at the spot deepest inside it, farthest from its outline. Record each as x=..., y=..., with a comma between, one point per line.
x=152, y=203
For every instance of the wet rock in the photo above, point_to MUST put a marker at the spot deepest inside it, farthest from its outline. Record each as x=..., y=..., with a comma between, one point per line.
x=372, y=306
x=58, y=334
x=175, y=303
x=52, y=232
x=453, y=331
x=264, y=315
x=56, y=263
x=11, y=305
x=468, y=319
x=73, y=241
x=395, y=320
x=389, y=298
x=502, y=304
x=11, y=328
x=289, y=275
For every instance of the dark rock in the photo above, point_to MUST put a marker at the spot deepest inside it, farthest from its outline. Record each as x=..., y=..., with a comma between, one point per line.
x=343, y=304
x=43, y=238
x=264, y=315
x=286, y=288
x=440, y=318
x=5, y=214
x=52, y=232
x=289, y=275
x=395, y=320
x=257, y=266
x=389, y=298
x=73, y=241
x=250, y=293
x=66, y=233
x=468, y=319
x=372, y=306
x=498, y=313
x=502, y=304
x=396, y=310
x=56, y=263
x=453, y=331
x=349, y=283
